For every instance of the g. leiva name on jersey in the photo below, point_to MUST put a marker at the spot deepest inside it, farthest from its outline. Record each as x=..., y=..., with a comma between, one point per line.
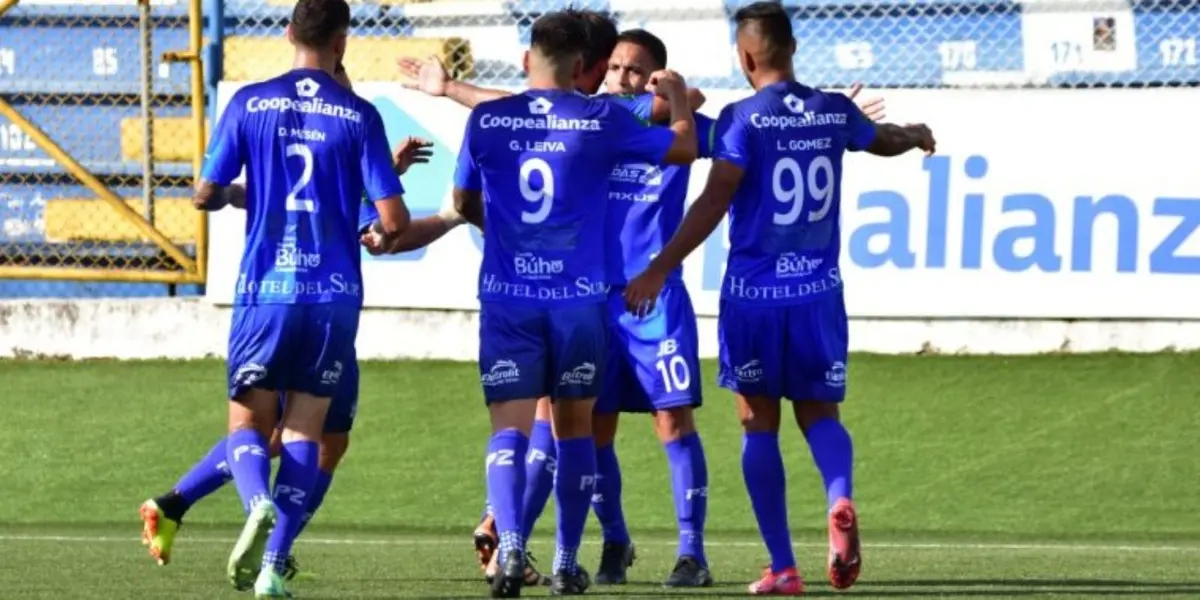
x=783, y=222
x=543, y=159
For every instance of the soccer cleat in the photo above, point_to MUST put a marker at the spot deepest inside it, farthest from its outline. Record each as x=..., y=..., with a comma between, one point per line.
x=486, y=541
x=532, y=576
x=845, y=556
x=246, y=559
x=269, y=584
x=570, y=584
x=784, y=583
x=290, y=569
x=158, y=531
x=688, y=573
x=615, y=560
x=508, y=580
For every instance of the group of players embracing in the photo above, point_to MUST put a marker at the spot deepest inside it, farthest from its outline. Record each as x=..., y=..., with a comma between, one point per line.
x=584, y=314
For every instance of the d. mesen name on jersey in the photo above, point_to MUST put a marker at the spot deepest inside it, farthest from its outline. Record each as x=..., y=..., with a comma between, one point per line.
x=315, y=106
x=547, y=122
x=796, y=121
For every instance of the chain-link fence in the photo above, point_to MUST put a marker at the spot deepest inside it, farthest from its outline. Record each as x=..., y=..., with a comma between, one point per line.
x=881, y=43
x=97, y=142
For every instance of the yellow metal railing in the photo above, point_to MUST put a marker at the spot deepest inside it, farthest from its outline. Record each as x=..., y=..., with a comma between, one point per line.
x=185, y=268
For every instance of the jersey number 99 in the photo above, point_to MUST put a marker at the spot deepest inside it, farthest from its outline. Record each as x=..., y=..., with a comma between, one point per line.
x=541, y=198
x=792, y=197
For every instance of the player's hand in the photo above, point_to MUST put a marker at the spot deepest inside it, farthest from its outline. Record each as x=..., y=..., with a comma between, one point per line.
x=922, y=138
x=411, y=151
x=642, y=292
x=429, y=76
x=666, y=83
x=873, y=108
x=373, y=242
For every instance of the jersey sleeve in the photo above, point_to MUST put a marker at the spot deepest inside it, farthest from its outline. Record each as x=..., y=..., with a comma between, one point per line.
x=860, y=131
x=634, y=141
x=730, y=138
x=466, y=173
x=367, y=214
x=379, y=180
x=706, y=135
x=226, y=150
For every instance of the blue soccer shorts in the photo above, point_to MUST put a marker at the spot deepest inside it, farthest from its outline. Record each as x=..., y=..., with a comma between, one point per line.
x=294, y=347
x=344, y=407
x=795, y=352
x=529, y=351
x=653, y=361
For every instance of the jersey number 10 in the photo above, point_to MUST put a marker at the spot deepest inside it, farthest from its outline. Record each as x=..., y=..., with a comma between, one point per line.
x=792, y=197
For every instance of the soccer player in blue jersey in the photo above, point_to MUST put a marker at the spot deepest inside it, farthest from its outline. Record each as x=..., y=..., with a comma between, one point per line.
x=162, y=516
x=542, y=159
x=311, y=149
x=777, y=171
x=654, y=363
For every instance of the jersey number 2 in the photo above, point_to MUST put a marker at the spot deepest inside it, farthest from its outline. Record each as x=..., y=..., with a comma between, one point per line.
x=792, y=196
x=541, y=198
x=294, y=202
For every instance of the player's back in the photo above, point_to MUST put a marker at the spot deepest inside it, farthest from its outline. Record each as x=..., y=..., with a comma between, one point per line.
x=304, y=137
x=544, y=158
x=789, y=140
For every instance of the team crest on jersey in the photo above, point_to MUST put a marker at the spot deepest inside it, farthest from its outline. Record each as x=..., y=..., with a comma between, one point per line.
x=793, y=103
x=540, y=106
x=836, y=375
x=307, y=88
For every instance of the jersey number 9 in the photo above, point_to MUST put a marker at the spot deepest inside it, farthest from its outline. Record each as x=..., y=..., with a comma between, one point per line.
x=541, y=198
x=792, y=196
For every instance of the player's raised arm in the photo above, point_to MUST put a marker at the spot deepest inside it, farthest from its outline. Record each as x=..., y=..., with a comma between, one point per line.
x=379, y=179
x=669, y=85
x=885, y=139
x=660, y=108
x=731, y=155
x=430, y=76
x=223, y=163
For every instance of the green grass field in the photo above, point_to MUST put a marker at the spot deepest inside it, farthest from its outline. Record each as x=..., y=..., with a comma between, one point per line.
x=1074, y=476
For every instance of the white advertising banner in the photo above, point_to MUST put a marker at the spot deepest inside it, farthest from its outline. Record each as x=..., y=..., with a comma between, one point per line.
x=1076, y=204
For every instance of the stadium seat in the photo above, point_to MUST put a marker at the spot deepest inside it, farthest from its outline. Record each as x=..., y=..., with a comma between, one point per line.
x=174, y=139
x=367, y=58
x=90, y=219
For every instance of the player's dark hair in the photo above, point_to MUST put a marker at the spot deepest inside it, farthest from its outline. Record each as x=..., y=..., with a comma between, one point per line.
x=600, y=33
x=648, y=42
x=315, y=23
x=559, y=37
x=770, y=22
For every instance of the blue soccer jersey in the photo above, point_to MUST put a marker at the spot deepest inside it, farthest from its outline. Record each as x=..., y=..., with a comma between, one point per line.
x=646, y=200
x=311, y=149
x=543, y=159
x=782, y=326
x=783, y=222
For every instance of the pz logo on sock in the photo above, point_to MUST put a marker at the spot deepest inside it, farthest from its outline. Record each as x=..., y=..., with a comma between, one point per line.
x=291, y=494
x=587, y=482
x=253, y=449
